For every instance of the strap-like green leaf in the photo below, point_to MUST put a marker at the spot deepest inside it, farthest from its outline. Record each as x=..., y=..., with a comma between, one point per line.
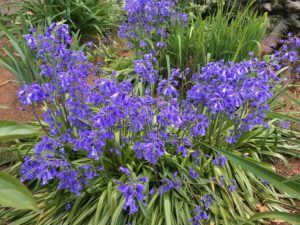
x=292, y=188
x=15, y=194
x=296, y=101
x=12, y=130
x=291, y=218
x=293, y=178
x=283, y=116
x=167, y=209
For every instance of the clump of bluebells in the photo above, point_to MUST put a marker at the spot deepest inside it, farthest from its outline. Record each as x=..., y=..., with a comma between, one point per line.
x=146, y=30
x=288, y=54
x=111, y=127
x=235, y=91
x=147, y=22
x=133, y=191
x=201, y=211
x=145, y=68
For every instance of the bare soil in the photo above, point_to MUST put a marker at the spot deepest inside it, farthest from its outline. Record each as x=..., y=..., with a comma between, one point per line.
x=288, y=171
x=8, y=9
x=10, y=107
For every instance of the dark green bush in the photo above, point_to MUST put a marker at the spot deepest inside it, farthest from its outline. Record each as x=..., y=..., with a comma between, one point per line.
x=226, y=35
x=88, y=16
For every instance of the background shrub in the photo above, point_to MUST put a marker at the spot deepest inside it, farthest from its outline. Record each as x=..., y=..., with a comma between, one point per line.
x=90, y=17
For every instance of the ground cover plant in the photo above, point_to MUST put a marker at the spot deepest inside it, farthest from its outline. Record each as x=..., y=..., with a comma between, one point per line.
x=148, y=149
x=90, y=17
x=224, y=34
x=181, y=41
x=18, y=58
x=157, y=149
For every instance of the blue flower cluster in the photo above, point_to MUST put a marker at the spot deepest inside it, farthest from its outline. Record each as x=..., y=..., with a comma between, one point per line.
x=147, y=22
x=288, y=54
x=106, y=117
x=238, y=91
x=201, y=211
x=147, y=29
x=144, y=68
x=133, y=191
x=169, y=184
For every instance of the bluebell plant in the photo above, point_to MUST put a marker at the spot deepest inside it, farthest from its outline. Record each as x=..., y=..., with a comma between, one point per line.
x=106, y=119
x=147, y=24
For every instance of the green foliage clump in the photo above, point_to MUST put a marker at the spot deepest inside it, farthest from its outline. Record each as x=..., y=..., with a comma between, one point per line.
x=90, y=17
x=225, y=35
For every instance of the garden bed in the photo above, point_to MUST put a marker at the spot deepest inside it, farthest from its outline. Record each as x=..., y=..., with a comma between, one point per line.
x=186, y=127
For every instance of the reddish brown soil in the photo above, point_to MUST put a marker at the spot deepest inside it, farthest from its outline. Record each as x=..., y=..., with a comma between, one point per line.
x=287, y=105
x=122, y=49
x=10, y=108
x=124, y=53
x=292, y=170
x=280, y=223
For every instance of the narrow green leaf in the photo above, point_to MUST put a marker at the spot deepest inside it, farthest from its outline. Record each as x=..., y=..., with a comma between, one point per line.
x=167, y=209
x=100, y=205
x=168, y=65
x=117, y=213
x=292, y=188
x=292, y=98
x=14, y=194
x=293, y=178
x=73, y=211
x=288, y=217
x=12, y=130
x=142, y=208
x=283, y=116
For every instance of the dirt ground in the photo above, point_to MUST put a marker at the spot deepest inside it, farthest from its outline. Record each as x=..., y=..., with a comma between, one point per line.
x=5, y=9
x=10, y=107
x=292, y=170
